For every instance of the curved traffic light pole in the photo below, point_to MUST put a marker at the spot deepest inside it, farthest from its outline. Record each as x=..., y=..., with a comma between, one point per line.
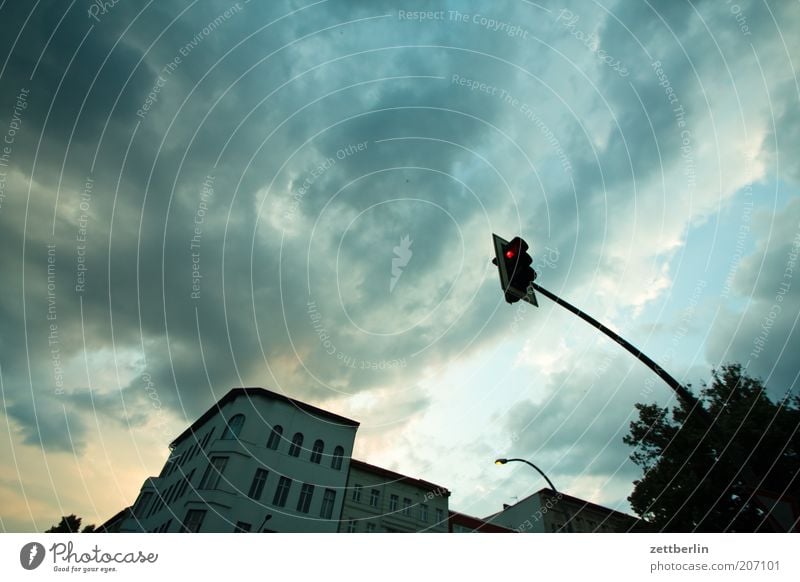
x=748, y=476
x=679, y=389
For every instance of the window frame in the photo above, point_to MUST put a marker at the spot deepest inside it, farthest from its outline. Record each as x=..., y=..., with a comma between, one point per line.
x=328, y=504
x=282, y=491
x=274, y=440
x=297, y=444
x=258, y=483
x=233, y=428
x=317, y=451
x=375, y=495
x=358, y=489
x=213, y=474
x=305, y=498
x=336, y=459
x=191, y=514
x=439, y=515
x=394, y=502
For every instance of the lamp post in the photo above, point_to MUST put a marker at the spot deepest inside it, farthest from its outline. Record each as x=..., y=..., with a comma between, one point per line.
x=504, y=461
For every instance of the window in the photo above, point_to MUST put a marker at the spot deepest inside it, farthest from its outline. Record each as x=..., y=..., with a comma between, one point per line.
x=185, y=484
x=393, y=500
x=233, y=428
x=242, y=527
x=374, y=497
x=193, y=521
x=213, y=473
x=370, y=528
x=257, y=486
x=157, y=505
x=166, y=526
x=423, y=511
x=170, y=491
x=275, y=437
x=357, y=493
x=316, y=452
x=439, y=516
x=297, y=443
x=406, y=506
x=351, y=526
x=336, y=461
x=138, y=509
x=207, y=437
x=328, y=500
x=282, y=492
x=304, y=502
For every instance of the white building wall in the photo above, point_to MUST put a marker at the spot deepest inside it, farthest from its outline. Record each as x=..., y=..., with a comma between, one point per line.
x=359, y=516
x=228, y=503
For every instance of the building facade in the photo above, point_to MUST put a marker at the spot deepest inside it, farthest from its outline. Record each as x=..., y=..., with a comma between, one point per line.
x=547, y=511
x=380, y=501
x=255, y=461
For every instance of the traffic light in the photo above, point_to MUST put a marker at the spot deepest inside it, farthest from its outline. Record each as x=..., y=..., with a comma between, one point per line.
x=514, y=265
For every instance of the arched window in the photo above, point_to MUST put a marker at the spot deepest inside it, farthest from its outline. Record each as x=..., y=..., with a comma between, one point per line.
x=275, y=437
x=297, y=443
x=233, y=428
x=316, y=452
x=336, y=461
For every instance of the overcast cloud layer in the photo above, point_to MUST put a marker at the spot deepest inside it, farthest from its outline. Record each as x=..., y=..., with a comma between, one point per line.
x=301, y=196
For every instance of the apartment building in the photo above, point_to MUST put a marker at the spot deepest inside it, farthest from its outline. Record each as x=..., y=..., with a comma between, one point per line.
x=256, y=461
x=379, y=500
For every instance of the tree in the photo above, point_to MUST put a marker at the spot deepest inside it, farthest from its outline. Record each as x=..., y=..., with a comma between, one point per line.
x=710, y=472
x=70, y=524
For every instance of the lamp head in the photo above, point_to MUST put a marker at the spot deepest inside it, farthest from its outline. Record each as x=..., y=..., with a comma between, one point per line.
x=501, y=461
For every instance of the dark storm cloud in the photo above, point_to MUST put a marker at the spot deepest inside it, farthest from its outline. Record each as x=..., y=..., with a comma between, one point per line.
x=145, y=197
x=170, y=101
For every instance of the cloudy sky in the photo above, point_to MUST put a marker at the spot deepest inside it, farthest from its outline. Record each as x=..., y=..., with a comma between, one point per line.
x=201, y=195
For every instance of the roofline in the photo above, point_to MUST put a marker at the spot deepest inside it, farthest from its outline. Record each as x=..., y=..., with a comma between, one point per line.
x=478, y=523
x=355, y=463
x=578, y=500
x=256, y=391
x=117, y=515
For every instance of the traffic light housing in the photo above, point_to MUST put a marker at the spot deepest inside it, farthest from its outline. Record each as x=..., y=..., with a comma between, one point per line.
x=514, y=265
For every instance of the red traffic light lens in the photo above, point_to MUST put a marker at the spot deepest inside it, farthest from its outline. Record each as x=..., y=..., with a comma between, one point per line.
x=510, y=253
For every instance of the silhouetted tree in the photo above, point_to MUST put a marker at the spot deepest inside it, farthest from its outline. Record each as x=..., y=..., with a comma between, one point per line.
x=705, y=478
x=70, y=524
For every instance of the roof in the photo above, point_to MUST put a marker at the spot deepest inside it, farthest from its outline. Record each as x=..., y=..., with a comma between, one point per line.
x=576, y=500
x=476, y=524
x=257, y=392
x=356, y=464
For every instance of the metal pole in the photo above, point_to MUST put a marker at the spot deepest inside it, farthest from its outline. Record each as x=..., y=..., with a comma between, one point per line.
x=746, y=472
x=682, y=392
x=538, y=469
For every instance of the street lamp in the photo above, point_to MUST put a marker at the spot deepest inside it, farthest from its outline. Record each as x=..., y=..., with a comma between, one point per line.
x=504, y=461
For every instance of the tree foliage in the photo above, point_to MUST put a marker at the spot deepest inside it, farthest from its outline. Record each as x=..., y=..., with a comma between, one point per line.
x=713, y=471
x=70, y=524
